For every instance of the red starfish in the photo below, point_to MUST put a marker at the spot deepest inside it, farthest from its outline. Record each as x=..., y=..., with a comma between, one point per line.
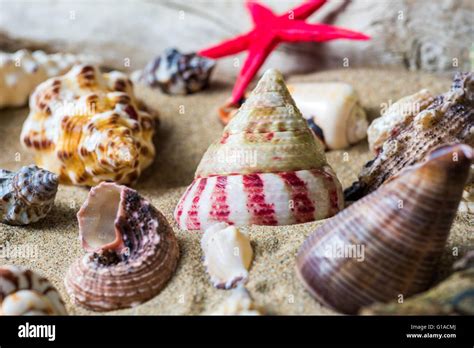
x=269, y=30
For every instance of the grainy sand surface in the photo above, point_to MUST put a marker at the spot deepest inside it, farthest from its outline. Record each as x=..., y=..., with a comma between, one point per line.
x=181, y=140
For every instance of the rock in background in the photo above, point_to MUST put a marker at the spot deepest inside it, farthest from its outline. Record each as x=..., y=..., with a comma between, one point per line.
x=432, y=36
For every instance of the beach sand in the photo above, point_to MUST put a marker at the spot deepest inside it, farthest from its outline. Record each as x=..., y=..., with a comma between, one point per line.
x=188, y=125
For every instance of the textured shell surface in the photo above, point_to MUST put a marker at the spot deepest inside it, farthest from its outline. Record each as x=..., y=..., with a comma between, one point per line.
x=227, y=255
x=87, y=127
x=24, y=292
x=22, y=71
x=333, y=112
x=238, y=303
x=266, y=169
x=448, y=119
x=395, y=116
x=177, y=73
x=132, y=251
x=27, y=195
x=453, y=296
x=389, y=242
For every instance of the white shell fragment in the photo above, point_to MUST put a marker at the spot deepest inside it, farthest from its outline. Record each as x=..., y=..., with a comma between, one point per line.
x=332, y=111
x=22, y=71
x=238, y=303
x=227, y=255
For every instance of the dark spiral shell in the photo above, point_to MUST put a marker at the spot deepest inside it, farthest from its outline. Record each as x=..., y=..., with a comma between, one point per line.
x=401, y=230
x=27, y=195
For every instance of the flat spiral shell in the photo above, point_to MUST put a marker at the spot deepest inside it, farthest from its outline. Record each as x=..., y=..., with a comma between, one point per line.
x=87, y=127
x=388, y=243
x=27, y=195
x=131, y=250
x=24, y=292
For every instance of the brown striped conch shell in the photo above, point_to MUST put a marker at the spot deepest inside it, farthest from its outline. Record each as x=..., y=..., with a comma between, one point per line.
x=238, y=303
x=22, y=71
x=86, y=127
x=395, y=117
x=453, y=296
x=388, y=243
x=448, y=119
x=132, y=251
x=333, y=112
x=27, y=195
x=266, y=169
x=227, y=255
x=24, y=292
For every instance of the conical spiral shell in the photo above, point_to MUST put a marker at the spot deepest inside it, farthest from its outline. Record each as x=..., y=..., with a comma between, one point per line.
x=24, y=292
x=22, y=71
x=388, y=243
x=266, y=169
x=27, y=195
x=87, y=128
x=448, y=119
x=131, y=250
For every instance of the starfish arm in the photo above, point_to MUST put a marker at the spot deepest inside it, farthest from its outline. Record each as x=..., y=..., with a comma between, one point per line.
x=255, y=59
x=305, y=10
x=228, y=47
x=260, y=14
x=301, y=31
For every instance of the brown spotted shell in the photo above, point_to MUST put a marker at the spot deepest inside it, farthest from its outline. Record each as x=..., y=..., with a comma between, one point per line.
x=131, y=250
x=87, y=127
x=388, y=243
x=24, y=292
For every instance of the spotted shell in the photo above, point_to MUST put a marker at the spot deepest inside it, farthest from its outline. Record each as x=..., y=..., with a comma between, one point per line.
x=388, y=243
x=22, y=71
x=131, y=250
x=448, y=119
x=266, y=169
x=24, y=292
x=86, y=127
x=27, y=195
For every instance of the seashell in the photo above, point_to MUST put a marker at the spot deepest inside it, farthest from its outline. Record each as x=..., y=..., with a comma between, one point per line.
x=132, y=251
x=24, y=292
x=238, y=303
x=448, y=119
x=397, y=116
x=27, y=195
x=333, y=112
x=388, y=243
x=467, y=201
x=22, y=71
x=86, y=127
x=453, y=296
x=227, y=255
x=266, y=169
x=177, y=73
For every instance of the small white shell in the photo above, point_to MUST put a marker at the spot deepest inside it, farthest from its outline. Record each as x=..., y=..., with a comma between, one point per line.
x=238, y=303
x=227, y=255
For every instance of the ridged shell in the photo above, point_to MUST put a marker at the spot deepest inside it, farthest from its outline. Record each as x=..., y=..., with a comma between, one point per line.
x=22, y=71
x=453, y=296
x=238, y=303
x=227, y=255
x=266, y=169
x=27, y=195
x=178, y=73
x=86, y=127
x=24, y=292
x=333, y=112
x=132, y=251
x=448, y=119
x=388, y=243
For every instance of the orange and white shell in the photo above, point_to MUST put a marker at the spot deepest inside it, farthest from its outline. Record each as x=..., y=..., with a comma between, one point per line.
x=87, y=127
x=22, y=71
x=334, y=108
x=266, y=169
x=24, y=292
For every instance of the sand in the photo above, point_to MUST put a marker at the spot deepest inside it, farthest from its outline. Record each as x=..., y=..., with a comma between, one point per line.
x=181, y=140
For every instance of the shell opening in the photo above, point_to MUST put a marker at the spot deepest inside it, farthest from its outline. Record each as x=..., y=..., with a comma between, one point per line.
x=97, y=219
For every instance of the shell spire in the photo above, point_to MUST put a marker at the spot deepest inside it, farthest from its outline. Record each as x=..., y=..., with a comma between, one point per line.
x=266, y=169
x=388, y=243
